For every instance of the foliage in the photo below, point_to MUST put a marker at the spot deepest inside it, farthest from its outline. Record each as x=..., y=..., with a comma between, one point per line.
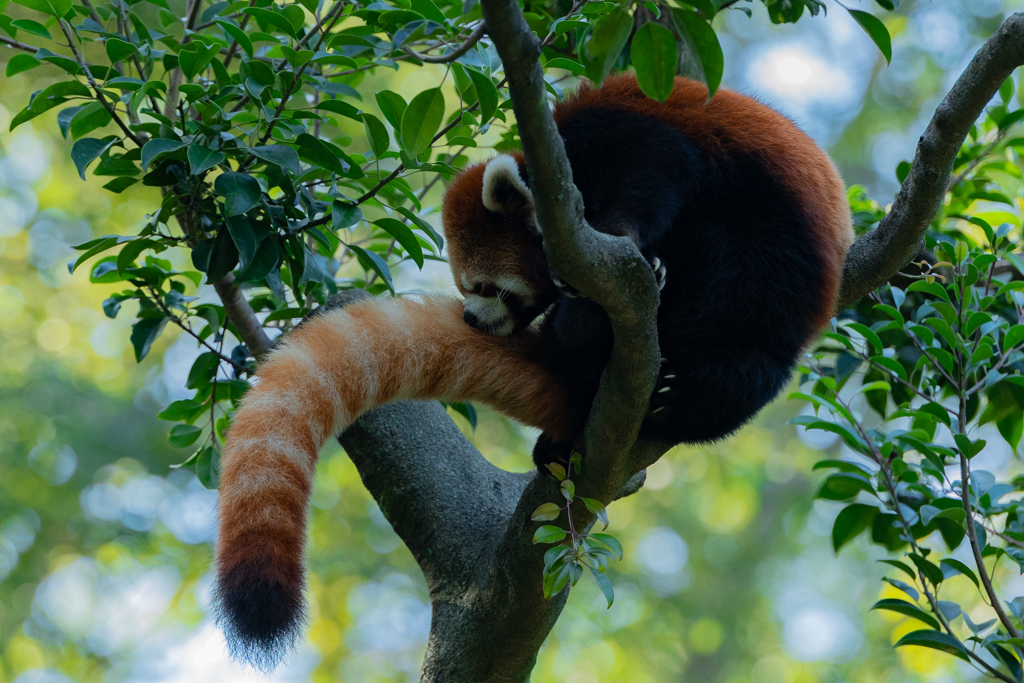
x=242, y=114
x=564, y=562
x=937, y=355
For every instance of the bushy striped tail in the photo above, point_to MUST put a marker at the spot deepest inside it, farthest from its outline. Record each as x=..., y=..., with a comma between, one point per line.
x=323, y=376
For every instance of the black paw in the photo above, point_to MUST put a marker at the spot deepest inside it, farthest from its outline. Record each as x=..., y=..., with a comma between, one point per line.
x=660, y=274
x=548, y=451
x=665, y=391
x=565, y=288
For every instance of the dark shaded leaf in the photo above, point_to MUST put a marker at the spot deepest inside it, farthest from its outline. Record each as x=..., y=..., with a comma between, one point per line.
x=654, y=54
x=936, y=641
x=240, y=191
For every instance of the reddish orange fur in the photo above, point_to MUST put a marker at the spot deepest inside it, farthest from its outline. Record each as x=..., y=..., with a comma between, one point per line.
x=372, y=353
x=337, y=366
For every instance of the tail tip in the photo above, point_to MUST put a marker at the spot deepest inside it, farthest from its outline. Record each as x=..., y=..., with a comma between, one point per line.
x=261, y=618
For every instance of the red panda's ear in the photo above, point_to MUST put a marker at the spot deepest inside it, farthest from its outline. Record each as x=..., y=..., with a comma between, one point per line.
x=504, y=190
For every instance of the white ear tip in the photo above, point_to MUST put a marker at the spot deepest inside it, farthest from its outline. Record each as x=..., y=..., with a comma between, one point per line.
x=502, y=169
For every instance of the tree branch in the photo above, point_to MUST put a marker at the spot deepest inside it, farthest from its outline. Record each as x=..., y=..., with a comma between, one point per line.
x=460, y=50
x=878, y=255
x=241, y=315
x=609, y=270
x=10, y=42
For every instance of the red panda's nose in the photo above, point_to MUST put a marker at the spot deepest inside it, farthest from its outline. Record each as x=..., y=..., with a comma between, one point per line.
x=469, y=318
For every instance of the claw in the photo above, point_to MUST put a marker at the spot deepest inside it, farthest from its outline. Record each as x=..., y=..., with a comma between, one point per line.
x=664, y=389
x=656, y=263
x=669, y=377
x=657, y=410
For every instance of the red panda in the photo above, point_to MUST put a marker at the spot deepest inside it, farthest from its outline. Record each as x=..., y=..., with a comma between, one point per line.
x=743, y=217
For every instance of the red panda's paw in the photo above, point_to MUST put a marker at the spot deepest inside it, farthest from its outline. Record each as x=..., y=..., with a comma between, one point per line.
x=547, y=451
x=564, y=287
x=665, y=393
x=660, y=273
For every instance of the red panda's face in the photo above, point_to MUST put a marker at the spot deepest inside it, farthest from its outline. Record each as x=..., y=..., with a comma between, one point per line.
x=495, y=249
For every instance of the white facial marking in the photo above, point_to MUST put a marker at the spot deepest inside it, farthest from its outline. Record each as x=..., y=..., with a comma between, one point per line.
x=491, y=312
x=516, y=286
x=467, y=284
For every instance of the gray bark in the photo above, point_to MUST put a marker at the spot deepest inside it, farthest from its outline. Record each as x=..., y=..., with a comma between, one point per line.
x=467, y=522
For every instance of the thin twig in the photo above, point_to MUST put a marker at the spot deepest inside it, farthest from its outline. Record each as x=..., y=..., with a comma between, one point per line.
x=18, y=44
x=95, y=88
x=155, y=295
x=448, y=57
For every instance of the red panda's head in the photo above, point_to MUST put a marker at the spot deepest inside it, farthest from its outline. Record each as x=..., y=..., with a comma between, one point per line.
x=494, y=247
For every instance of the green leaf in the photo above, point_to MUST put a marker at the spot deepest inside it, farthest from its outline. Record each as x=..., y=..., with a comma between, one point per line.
x=319, y=154
x=119, y=49
x=371, y=261
x=20, y=63
x=185, y=409
x=960, y=568
x=576, y=68
x=556, y=470
x=144, y=333
x=393, y=106
x=201, y=159
x=404, y=236
x=48, y=98
x=238, y=35
x=604, y=43
x=486, y=93
x=1014, y=336
x=87, y=150
x=343, y=108
x=156, y=147
x=843, y=486
x=936, y=641
x=907, y=609
x=549, y=534
x=87, y=119
x=275, y=19
x=605, y=585
x=193, y=61
x=208, y=467
x=119, y=185
x=466, y=410
x=244, y=238
x=241, y=192
x=263, y=262
x=377, y=134
x=33, y=27
x=426, y=227
x=421, y=120
x=927, y=569
x=281, y=155
x=57, y=8
x=874, y=27
x=568, y=489
x=546, y=513
x=597, y=508
x=654, y=53
x=183, y=435
x=609, y=542
x=850, y=522
x=344, y=215
x=704, y=46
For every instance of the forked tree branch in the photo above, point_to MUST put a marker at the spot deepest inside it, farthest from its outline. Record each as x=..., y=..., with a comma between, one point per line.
x=879, y=254
x=467, y=522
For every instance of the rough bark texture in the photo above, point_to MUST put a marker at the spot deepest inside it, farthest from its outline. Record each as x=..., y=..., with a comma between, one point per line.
x=467, y=522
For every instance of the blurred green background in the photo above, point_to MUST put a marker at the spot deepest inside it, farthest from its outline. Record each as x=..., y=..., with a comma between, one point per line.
x=729, y=574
